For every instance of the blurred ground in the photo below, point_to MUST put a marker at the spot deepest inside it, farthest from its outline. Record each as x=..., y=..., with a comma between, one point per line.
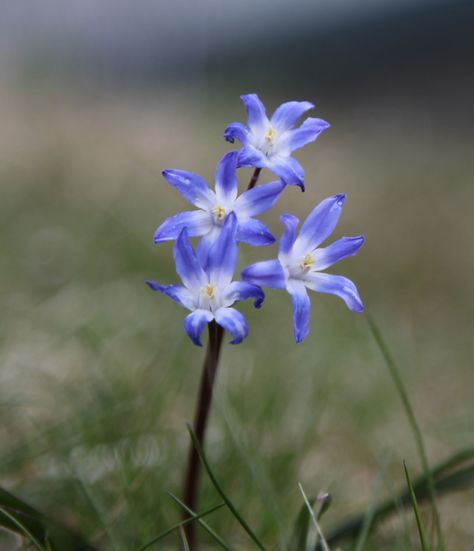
x=97, y=378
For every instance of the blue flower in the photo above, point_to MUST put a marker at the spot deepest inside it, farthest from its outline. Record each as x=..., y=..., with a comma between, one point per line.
x=300, y=261
x=270, y=143
x=214, y=207
x=209, y=291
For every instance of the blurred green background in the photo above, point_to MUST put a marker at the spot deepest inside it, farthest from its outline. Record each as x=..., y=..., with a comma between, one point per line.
x=97, y=378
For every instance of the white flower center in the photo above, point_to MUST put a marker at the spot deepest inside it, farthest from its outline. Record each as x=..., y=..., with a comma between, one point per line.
x=299, y=268
x=209, y=297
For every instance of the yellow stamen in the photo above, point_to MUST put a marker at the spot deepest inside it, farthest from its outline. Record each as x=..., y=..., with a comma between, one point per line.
x=270, y=135
x=219, y=213
x=308, y=261
x=208, y=290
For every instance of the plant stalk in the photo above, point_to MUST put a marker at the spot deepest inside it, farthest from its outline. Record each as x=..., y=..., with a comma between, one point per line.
x=254, y=178
x=201, y=416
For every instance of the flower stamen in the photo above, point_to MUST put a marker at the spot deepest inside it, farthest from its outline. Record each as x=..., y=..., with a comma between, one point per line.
x=219, y=213
x=270, y=135
x=308, y=262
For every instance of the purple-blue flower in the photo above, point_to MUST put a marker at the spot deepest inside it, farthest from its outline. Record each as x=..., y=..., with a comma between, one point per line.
x=215, y=207
x=208, y=291
x=270, y=143
x=300, y=261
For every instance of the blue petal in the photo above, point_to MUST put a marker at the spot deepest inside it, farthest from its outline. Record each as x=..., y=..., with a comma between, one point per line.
x=222, y=256
x=195, y=322
x=226, y=178
x=191, y=186
x=289, y=170
x=301, y=308
x=336, y=285
x=306, y=133
x=259, y=199
x=205, y=243
x=289, y=234
x=320, y=223
x=257, y=117
x=196, y=222
x=255, y=233
x=233, y=322
x=236, y=130
x=251, y=157
x=268, y=273
x=340, y=249
x=178, y=293
x=187, y=265
x=241, y=290
x=288, y=113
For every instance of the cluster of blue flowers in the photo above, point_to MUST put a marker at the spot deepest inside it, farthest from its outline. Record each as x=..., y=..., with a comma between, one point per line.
x=223, y=218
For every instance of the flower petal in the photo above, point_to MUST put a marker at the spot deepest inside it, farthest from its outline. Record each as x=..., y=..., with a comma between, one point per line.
x=301, y=308
x=241, y=290
x=268, y=273
x=191, y=186
x=178, y=293
x=253, y=232
x=205, y=243
x=236, y=130
x=288, y=113
x=195, y=322
x=187, y=264
x=233, y=322
x=251, y=157
x=289, y=233
x=196, y=222
x=226, y=178
x=319, y=224
x=257, y=117
x=340, y=249
x=259, y=199
x=289, y=170
x=222, y=256
x=336, y=285
x=306, y=133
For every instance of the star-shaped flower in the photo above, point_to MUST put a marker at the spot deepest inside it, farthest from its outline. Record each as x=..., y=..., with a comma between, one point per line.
x=300, y=261
x=270, y=143
x=208, y=291
x=215, y=207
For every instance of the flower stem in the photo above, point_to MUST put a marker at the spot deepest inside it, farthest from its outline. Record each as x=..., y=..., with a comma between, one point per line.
x=201, y=415
x=254, y=178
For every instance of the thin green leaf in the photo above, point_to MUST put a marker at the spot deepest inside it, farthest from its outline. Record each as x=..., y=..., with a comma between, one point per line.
x=183, y=539
x=314, y=519
x=201, y=522
x=300, y=528
x=398, y=381
x=414, y=503
x=221, y=492
x=179, y=525
x=42, y=528
x=23, y=530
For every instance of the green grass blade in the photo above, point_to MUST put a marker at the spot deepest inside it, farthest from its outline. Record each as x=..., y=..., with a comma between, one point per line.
x=414, y=503
x=41, y=528
x=204, y=524
x=178, y=525
x=22, y=529
x=319, y=532
x=398, y=381
x=183, y=539
x=300, y=528
x=221, y=492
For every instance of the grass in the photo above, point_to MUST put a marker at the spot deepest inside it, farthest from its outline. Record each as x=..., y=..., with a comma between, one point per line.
x=97, y=380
